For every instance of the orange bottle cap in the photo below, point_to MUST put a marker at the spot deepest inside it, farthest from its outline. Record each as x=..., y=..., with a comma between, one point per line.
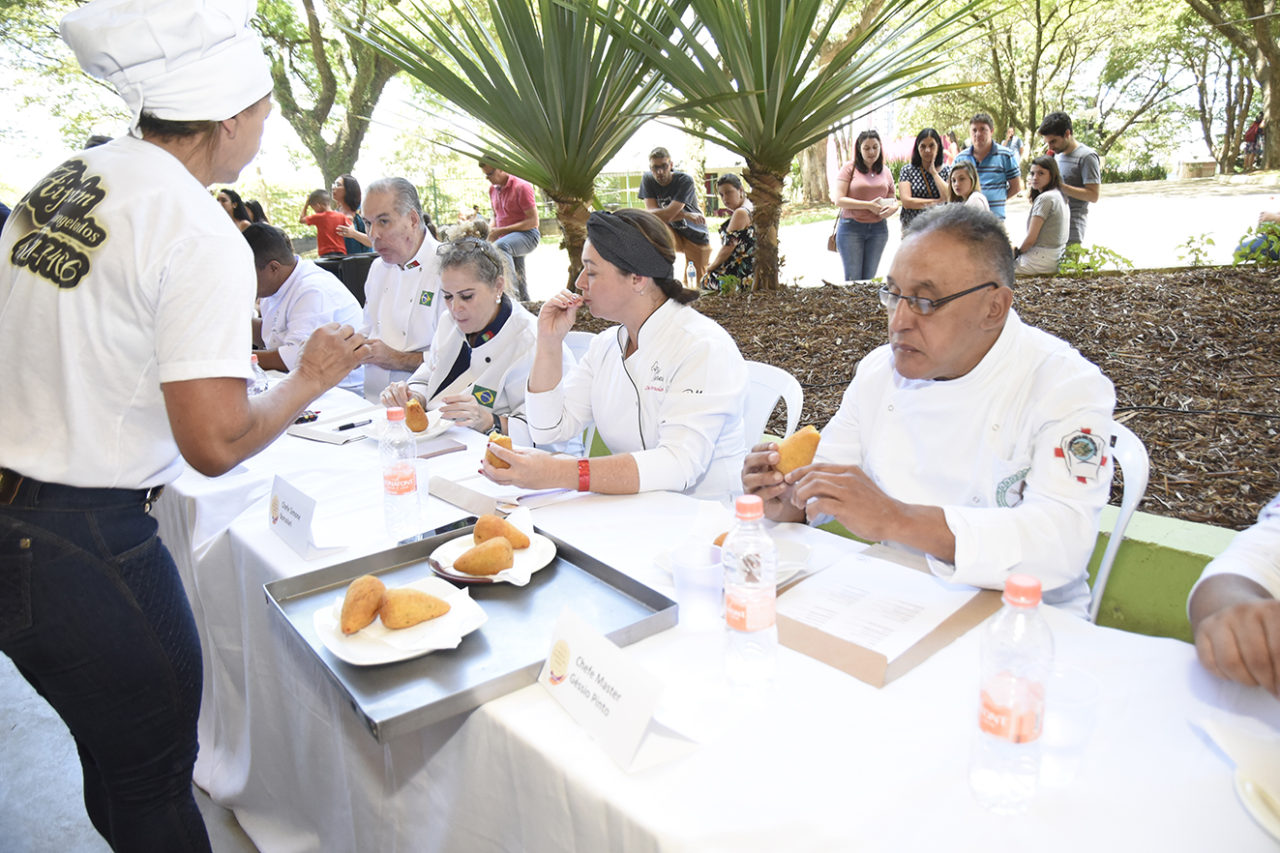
x=1022, y=590
x=749, y=507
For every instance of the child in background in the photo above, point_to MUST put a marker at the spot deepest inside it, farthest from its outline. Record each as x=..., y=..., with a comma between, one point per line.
x=326, y=222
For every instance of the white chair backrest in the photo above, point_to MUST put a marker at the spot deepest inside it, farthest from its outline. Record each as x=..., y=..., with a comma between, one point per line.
x=1130, y=455
x=578, y=341
x=765, y=385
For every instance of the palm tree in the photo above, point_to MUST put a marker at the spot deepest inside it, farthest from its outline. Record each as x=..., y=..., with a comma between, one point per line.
x=758, y=78
x=555, y=94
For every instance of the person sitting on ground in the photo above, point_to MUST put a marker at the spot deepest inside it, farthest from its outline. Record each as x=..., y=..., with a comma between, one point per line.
x=736, y=261
x=326, y=222
x=483, y=347
x=1016, y=480
x=401, y=307
x=923, y=182
x=672, y=196
x=346, y=197
x=1235, y=606
x=295, y=297
x=1047, y=223
x=1265, y=242
x=665, y=388
x=964, y=185
x=256, y=213
x=234, y=206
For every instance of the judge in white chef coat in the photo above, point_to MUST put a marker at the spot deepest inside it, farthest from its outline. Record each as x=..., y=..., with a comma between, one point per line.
x=479, y=361
x=972, y=438
x=665, y=388
x=401, y=305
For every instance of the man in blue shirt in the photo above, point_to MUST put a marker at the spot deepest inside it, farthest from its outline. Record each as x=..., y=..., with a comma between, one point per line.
x=998, y=171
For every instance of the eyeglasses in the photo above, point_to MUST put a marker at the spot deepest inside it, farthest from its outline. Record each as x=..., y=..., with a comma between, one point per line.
x=923, y=306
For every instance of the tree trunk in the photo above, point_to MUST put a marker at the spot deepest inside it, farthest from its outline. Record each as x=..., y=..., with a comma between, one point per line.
x=813, y=172
x=766, y=196
x=572, y=215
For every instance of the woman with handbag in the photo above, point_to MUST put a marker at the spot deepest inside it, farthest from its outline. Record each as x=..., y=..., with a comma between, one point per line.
x=864, y=193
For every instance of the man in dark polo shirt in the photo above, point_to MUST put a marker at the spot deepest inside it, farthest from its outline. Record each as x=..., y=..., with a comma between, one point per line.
x=673, y=197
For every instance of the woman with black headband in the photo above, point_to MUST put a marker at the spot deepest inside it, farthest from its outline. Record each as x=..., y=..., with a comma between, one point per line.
x=478, y=364
x=664, y=388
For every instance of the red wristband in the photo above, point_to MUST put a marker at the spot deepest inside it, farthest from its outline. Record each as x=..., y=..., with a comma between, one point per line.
x=584, y=475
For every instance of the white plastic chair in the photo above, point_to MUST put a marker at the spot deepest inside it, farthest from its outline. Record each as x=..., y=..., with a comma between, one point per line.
x=767, y=384
x=1130, y=454
x=578, y=341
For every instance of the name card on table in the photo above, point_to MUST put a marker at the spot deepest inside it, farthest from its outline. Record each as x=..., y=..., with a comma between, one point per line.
x=291, y=516
x=607, y=694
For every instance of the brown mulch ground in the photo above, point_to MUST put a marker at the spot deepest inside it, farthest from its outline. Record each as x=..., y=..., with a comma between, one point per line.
x=1194, y=355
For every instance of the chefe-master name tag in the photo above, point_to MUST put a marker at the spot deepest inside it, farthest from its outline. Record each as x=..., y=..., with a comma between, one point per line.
x=291, y=515
x=607, y=694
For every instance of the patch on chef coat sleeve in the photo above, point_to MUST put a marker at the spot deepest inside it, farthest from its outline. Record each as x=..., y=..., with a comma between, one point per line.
x=426, y=297
x=1271, y=510
x=484, y=396
x=1083, y=453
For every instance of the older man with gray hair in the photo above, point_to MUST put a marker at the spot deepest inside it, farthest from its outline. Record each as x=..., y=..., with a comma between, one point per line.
x=402, y=305
x=971, y=437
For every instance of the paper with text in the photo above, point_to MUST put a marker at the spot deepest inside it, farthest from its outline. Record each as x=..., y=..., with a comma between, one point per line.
x=874, y=603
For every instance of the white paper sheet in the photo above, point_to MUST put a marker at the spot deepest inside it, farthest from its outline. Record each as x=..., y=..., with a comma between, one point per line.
x=874, y=603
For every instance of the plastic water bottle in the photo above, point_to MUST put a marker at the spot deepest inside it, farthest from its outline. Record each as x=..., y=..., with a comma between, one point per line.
x=258, y=383
x=1017, y=656
x=750, y=591
x=691, y=276
x=399, y=478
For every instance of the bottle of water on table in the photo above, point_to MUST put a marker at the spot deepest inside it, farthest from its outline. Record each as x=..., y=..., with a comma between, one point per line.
x=258, y=383
x=1017, y=656
x=399, y=478
x=750, y=590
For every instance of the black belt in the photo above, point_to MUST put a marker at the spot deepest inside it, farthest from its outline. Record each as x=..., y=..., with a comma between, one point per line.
x=18, y=489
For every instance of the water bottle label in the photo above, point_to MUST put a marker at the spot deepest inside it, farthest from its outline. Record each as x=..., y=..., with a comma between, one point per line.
x=400, y=479
x=1020, y=723
x=748, y=613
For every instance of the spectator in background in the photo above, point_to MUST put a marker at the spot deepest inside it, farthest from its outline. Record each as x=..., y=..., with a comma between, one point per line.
x=864, y=194
x=1041, y=249
x=999, y=176
x=256, y=213
x=1234, y=611
x=1014, y=143
x=1080, y=168
x=4, y=214
x=295, y=297
x=923, y=181
x=234, y=206
x=326, y=222
x=964, y=185
x=672, y=196
x=737, y=255
x=96, y=140
x=515, y=221
x=1252, y=142
x=346, y=197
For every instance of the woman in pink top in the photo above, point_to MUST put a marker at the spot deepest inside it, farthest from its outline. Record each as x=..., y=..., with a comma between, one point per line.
x=864, y=194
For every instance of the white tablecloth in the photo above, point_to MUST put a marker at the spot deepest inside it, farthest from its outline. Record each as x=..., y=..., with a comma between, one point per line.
x=821, y=762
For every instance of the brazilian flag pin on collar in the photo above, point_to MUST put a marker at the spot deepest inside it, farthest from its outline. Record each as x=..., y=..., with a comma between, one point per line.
x=484, y=396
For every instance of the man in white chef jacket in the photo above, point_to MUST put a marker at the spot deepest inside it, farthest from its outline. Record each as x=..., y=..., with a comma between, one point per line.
x=402, y=304
x=295, y=297
x=971, y=438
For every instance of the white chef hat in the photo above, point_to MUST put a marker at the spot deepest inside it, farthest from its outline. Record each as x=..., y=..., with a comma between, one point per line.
x=179, y=60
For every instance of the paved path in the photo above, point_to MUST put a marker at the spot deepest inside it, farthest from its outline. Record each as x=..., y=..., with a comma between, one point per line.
x=1148, y=223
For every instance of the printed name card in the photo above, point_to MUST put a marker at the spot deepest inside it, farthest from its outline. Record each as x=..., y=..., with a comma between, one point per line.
x=607, y=694
x=291, y=515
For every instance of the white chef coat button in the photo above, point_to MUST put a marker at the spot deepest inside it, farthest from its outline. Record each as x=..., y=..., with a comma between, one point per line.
x=891, y=407
x=974, y=499
x=995, y=427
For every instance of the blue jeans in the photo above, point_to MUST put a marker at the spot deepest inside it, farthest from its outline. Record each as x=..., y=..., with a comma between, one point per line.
x=94, y=616
x=516, y=245
x=861, y=244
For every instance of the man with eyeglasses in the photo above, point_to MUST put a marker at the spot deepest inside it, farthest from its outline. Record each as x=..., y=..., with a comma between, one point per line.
x=672, y=196
x=401, y=308
x=971, y=437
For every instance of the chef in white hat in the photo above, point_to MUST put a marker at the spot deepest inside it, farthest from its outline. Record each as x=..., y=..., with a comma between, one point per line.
x=125, y=293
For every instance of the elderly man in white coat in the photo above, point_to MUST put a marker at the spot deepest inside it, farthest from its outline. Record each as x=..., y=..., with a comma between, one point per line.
x=971, y=438
x=401, y=293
